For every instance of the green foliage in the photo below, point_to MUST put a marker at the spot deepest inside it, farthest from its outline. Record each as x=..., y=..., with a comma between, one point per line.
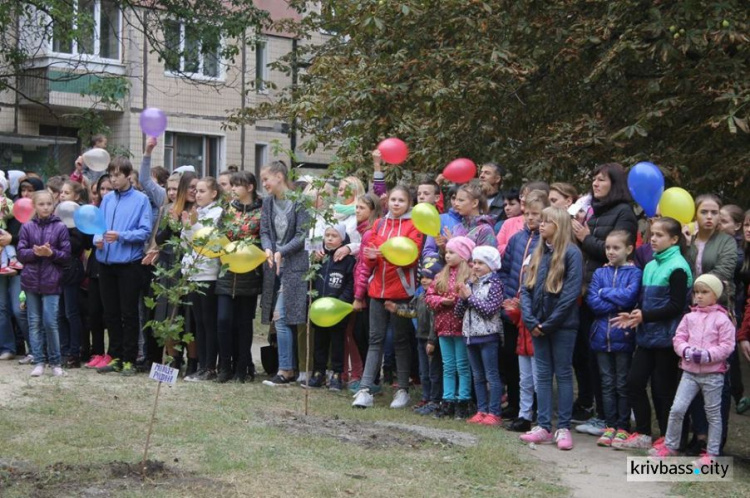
x=550, y=89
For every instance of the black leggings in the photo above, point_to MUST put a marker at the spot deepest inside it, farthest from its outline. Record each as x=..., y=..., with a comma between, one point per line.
x=204, y=311
x=661, y=366
x=235, y=324
x=509, y=365
x=93, y=343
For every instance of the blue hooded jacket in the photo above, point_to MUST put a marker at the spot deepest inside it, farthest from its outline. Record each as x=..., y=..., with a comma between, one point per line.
x=520, y=246
x=447, y=220
x=558, y=311
x=129, y=214
x=613, y=290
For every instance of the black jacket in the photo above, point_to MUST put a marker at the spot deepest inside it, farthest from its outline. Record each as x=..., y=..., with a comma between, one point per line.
x=242, y=284
x=73, y=272
x=606, y=218
x=336, y=278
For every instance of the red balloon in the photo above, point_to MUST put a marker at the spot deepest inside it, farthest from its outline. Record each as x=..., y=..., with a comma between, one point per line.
x=23, y=209
x=393, y=150
x=460, y=170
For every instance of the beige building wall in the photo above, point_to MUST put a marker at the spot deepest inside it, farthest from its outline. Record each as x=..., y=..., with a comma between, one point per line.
x=192, y=107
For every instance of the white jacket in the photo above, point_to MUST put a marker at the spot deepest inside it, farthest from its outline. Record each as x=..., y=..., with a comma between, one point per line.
x=208, y=268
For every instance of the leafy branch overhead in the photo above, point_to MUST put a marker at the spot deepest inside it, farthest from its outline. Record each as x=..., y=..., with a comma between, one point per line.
x=549, y=89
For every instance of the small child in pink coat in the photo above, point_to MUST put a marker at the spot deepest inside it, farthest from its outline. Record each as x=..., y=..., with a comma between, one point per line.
x=704, y=340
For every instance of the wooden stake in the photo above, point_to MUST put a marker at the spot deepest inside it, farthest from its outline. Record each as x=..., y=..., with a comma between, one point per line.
x=150, y=427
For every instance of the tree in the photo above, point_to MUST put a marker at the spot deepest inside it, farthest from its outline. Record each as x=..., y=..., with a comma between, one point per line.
x=76, y=28
x=550, y=89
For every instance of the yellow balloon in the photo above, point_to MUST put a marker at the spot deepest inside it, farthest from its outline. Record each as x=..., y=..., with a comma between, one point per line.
x=677, y=203
x=328, y=311
x=242, y=258
x=426, y=218
x=208, y=242
x=400, y=251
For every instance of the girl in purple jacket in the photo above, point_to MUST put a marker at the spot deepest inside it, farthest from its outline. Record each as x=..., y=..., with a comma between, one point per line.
x=43, y=248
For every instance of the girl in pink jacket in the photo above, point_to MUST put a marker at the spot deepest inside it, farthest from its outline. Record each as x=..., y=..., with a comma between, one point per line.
x=703, y=340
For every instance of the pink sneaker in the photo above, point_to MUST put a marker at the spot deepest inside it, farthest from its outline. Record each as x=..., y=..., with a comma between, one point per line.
x=564, y=439
x=8, y=271
x=659, y=442
x=704, y=459
x=477, y=419
x=490, y=419
x=106, y=360
x=662, y=452
x=94, y=362
x=537, y=435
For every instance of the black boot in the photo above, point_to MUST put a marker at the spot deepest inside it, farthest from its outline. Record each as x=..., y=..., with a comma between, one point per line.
x=192, y=366
x=447, y=410
x=225, y=373
x=462, y=410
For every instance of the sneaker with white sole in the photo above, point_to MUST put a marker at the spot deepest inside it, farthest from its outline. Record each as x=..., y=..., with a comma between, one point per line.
x=537, y=435
x=58, y=372
x=26, y=360
x=400, y=399
x=38, y=370
x=594, y=427
x=363, y=399
x=606, y=438
x=634, y=442
x=564, y=439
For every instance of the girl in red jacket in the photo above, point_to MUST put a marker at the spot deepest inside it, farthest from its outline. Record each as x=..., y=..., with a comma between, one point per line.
x=392, y=283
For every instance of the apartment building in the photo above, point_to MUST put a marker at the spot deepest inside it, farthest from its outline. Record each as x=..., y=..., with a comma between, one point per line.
x=37, y=133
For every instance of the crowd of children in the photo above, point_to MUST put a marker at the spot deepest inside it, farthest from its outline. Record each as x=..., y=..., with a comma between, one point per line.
x=520, y=289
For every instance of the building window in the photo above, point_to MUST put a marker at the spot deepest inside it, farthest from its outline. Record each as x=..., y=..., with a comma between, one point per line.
x=200, y=151
x=261, y=156
x=261, y=66
x=189, y=53
x=97, y=23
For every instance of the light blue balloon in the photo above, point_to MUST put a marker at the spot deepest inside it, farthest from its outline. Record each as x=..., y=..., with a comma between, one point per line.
x=90, y=220
x=646, y=184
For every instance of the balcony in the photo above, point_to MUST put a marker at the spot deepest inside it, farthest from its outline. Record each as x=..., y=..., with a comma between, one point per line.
x=66, y=90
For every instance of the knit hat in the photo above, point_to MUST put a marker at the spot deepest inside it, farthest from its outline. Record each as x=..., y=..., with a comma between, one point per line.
x=487, y=255
x=461, y=246
x=431, y=267
x=340, y=228
x=712, y=282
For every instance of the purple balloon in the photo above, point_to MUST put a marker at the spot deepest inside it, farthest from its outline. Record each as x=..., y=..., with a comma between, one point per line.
x=153, y=121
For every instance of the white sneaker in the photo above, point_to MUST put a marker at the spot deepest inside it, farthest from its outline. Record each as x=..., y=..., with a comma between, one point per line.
x=58, y=372
x=26, y=360
x=363, y=399
x=400, y=399
x=302, y=378
x=594, y=427
x=38, y=371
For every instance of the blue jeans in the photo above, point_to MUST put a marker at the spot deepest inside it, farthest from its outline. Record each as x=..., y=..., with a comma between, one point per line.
x=455, y=369
x=10, y=305
x=430, y=372
x=484, y=367
x=70, y=322
x=553, y=355
x=43, y=310
x=613, y=370
x=284, y=335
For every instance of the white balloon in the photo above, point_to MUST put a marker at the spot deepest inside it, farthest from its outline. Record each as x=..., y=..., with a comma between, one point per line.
x=65, y=211
x=96, y=159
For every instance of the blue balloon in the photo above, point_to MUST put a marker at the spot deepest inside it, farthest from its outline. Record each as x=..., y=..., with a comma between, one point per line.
x=646, y=184
x=90, y=220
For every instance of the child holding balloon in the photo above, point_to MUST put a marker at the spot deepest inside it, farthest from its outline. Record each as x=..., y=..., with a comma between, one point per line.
x=43, y=247
x=442, y=296
x=201, y=268
x=71, y=326
x=394, y=282
x=9, y=265
x=335, y=279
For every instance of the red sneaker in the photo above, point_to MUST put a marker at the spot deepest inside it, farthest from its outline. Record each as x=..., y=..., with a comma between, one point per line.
x=94, y=361
x=477, y=419
x=15, y=265
x=8, y=271
x=490, y=419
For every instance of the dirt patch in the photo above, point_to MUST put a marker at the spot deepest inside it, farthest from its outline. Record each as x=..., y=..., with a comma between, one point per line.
x=108, y=479
x=367, y=435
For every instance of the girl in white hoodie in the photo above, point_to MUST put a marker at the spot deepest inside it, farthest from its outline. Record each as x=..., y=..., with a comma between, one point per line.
x=200, y=268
